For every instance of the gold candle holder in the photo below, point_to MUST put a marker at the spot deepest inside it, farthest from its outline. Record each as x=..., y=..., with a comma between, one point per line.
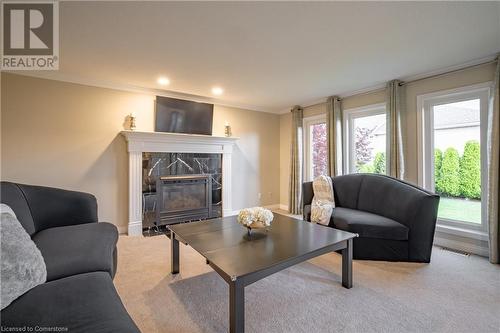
x=227, y=130
x=132, y=121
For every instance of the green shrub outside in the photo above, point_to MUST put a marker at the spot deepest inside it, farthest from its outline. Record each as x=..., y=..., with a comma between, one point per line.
x=454, y=176
x=470, y=171
x=449, y=180
x=438, y=162
x=366, y=168
x=379, y=163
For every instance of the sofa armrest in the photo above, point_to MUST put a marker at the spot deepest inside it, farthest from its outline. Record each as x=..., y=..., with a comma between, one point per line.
x=52, y=207
x=306, y=213
x=307, y=193
x=422, y=227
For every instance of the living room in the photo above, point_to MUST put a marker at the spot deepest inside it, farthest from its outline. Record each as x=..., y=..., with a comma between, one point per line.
x=253, y=166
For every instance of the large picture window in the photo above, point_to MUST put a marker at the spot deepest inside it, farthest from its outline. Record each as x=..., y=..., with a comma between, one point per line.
x=316, y=151
x=453, y=153
x=365, y=139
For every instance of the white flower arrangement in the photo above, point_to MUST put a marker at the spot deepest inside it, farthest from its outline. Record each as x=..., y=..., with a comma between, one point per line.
x=255, y=217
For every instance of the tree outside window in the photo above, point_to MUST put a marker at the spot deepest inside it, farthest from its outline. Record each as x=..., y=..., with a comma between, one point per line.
x=319, y=150
x=369, y=144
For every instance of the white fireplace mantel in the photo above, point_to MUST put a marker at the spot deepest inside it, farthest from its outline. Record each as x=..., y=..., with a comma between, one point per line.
x=140, y=142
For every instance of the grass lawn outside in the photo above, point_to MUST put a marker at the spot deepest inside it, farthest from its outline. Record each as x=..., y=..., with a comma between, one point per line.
x=460, y=209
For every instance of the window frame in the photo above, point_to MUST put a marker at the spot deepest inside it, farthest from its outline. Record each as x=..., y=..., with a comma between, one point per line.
x=349, y=115
x=425, y=144
x=307, y=122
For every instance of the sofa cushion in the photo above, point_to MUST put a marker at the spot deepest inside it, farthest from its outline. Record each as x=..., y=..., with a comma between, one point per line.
x=368, y=225
x=22, y=265
x=80, y=303
x=346, y=190
x=53, y=207
x=390, y=197
x=78, y=249
x=6, y=209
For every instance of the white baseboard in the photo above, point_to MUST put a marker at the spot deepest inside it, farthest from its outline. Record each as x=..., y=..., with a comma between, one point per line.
x=459, y=245
x=234, y=212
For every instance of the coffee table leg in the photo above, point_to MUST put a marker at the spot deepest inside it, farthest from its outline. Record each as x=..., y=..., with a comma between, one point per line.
x=347, y=265
x=236, y=307
x=174, y=254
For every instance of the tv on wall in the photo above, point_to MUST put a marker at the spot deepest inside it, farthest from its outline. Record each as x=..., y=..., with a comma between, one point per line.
x=181, y=116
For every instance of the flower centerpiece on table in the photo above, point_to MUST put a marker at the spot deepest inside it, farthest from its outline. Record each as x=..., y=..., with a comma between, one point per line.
x=255, y=218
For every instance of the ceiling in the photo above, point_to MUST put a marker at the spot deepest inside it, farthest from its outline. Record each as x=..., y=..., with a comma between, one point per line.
x=269, y=56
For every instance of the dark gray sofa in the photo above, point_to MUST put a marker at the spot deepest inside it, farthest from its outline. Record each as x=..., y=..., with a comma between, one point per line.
x=395, y=220
x=80, y=255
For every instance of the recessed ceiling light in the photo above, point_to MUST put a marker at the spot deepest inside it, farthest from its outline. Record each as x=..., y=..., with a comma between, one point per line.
x=164, y=81
x=217, y=91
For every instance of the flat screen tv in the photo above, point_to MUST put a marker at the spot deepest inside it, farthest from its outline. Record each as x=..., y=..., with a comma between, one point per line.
x=180, y=116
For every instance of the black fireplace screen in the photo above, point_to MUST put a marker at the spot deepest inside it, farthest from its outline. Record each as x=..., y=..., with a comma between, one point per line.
x=183, y=198
x=179, y=187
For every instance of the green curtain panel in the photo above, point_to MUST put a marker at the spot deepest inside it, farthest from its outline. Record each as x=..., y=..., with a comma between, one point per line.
x=334, y=135
x=493, y=144
x=296, y=161
x=394, y=109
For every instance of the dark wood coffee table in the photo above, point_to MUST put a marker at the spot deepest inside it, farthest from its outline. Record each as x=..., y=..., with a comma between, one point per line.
x=241, y=259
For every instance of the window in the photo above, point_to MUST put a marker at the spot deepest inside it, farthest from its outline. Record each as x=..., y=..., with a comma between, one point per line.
x=364, y=139
x=316, y=151
x=453, y=153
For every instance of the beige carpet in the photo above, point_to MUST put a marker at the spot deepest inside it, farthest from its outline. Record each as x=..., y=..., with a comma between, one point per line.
x=452, y=294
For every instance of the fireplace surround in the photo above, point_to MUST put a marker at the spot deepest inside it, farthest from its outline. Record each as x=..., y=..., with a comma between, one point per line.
x=157, y=142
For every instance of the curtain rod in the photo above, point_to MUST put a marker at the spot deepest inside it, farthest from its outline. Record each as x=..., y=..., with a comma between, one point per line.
x=419, y=79
x=449, y=72
x=362, y=93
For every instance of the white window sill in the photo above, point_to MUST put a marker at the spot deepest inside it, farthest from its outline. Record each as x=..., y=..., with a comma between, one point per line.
x=462, y=232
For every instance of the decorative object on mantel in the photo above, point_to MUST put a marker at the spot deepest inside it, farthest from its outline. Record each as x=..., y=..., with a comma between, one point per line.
x=227, y=130
x=255, y=218
x=131, y=118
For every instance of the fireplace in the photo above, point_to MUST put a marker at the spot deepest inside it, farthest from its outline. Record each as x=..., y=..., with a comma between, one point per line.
x=180, y=187
x=143, y=181
x=183, y=198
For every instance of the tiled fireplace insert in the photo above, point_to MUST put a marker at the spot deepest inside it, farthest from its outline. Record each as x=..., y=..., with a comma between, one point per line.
x=180, y=187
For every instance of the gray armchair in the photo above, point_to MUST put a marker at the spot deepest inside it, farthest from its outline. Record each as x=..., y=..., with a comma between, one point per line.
x=80, y=255
x=395, y=220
